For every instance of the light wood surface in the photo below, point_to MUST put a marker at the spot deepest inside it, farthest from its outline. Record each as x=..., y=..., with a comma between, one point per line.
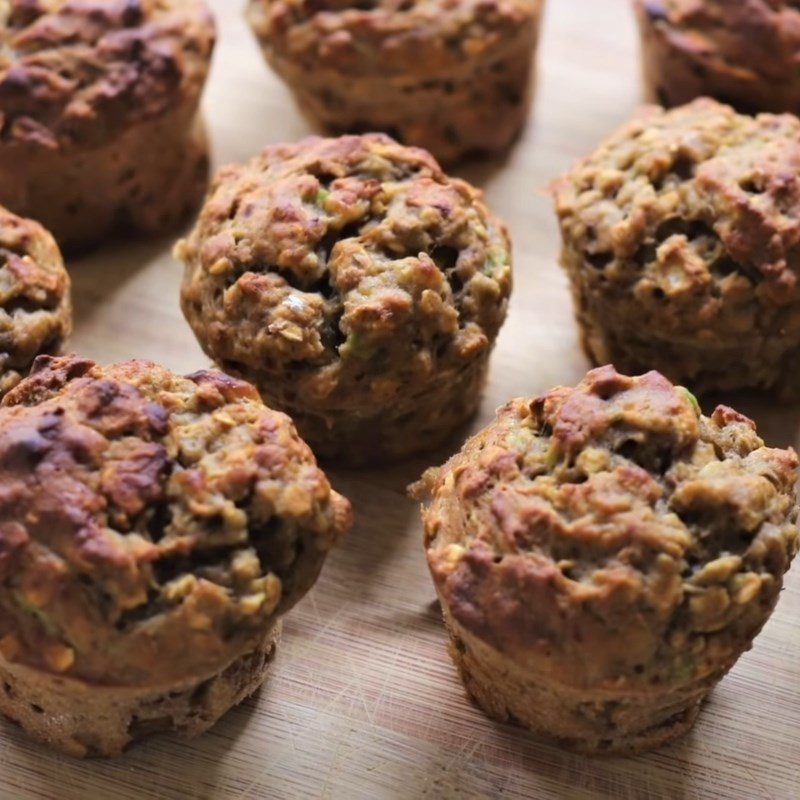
x=363, y=701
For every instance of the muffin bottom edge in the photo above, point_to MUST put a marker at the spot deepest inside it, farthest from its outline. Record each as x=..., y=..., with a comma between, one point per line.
x=83, y=720
x=555, y=715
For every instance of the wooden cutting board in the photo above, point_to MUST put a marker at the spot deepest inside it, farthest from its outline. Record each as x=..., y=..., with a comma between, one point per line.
x=363, y=701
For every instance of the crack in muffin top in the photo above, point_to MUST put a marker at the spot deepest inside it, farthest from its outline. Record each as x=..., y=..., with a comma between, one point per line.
x=348, y=269
x=389, y=36
x=695, y=213
x=35, y=307
x=152, y=527
x=610, y=532
x=747, y=37
x=77, y=71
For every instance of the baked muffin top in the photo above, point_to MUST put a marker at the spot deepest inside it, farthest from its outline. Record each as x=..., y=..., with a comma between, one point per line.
x=694, y=213
x=389, y=36
x=78, y=71
x=609, y=534
x=35, y=308
x=345, y=271
x=754, y=38
x=151, y=526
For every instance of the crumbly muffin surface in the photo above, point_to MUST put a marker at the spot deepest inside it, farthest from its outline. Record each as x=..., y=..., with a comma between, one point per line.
x=35, y=308
x=609, y=535
x=75, y=71
x=683, y=229
x=389, y=36
x=690, y=211
x=343, y=274
x=152, y=527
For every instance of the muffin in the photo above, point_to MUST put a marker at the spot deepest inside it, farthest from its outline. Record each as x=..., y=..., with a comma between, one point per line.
x=742, y=52
x=35, y=308
x=99, y=125
x=682, y=243
x=453, y=77
x=359, y=287
x=153, y=529
x=604, y=554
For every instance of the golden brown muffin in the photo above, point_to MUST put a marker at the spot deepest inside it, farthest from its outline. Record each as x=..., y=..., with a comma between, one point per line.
x=604, y=554
x=453, y=77
x=35, y=307
x=99, y=125
x=741, y=52
x=682, y=242
x=153, y=529
x=359, y=287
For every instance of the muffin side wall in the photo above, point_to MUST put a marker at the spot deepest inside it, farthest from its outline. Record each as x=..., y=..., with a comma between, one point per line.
x=85, y=720
x=146, y=180
x=477, y=108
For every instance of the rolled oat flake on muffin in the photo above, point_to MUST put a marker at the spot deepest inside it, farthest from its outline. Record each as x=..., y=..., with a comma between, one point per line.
x=456, y=78
x=35, y=306
x=604, y=554
x=99, y=125
x=358, y=286
x=742, y=52
x=682, y=244
x=153, y=530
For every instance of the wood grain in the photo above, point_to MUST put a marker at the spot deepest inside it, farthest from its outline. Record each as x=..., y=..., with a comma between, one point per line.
x=363, y=701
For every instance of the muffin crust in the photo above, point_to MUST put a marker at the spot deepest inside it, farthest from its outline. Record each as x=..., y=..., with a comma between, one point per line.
x=605, y=553
x=681, y=237
x=99, y=127
x=454, y=78
x=742, y=52
x=153, y=529
x=359, y=287
x=77, y=71
x=35, y=307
